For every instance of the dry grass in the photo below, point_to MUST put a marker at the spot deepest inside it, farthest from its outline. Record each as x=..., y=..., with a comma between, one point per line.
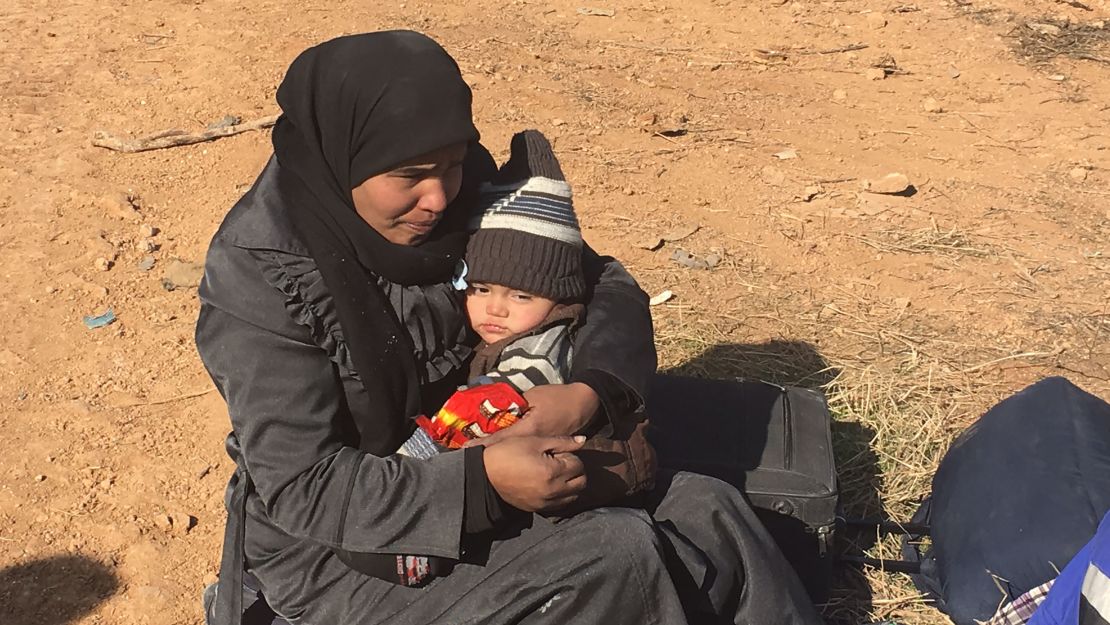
x=951, y=243
x=1044, y=40
x=899, y=392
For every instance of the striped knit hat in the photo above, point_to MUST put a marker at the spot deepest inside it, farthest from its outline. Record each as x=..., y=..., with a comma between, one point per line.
x=526, y=235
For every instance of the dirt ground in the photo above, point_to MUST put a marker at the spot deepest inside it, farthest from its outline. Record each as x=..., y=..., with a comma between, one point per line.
x=758, y=123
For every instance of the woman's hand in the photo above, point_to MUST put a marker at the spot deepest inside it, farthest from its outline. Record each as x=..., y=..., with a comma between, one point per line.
x=536, y=473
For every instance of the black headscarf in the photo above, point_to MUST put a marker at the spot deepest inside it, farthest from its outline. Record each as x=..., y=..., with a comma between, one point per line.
x=354, y=107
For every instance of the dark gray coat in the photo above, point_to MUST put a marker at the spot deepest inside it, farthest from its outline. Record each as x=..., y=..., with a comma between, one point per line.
x=269, y=336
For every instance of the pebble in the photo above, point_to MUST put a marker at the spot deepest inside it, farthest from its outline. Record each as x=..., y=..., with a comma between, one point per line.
x=102, y=264
x=1079, y=174
x=119, y=204
x=875, y=73
x=181, y=523
x=889, y=184
x=840, y=95
x=182, y=274
x=146, y=263
x=145, y=246
x=558, y=122
x=930, y=105
x=876, y=20
x=147, y=230
x=40, y=478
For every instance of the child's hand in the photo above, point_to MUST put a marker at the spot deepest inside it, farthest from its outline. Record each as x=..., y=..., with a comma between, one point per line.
x=560, y=409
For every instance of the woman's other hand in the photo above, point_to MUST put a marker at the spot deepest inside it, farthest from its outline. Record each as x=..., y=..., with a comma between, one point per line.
x=536, y=473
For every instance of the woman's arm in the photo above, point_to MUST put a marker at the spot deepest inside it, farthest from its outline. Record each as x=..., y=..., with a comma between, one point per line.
x=286, y=400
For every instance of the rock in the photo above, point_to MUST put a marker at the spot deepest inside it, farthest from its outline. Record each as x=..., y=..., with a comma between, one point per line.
x=786, y=154
x=40, y=478
x=647, y=119
x=119, y=204
x=651, y=244
x=930, y=105
x=558, y=122
x=953, y=72
x=660, y=298
x=147, y=230
x=146, y=263
x=681, y=232
x=181, y=523
x=180, y=273
x=1058, y=77
x=876, y=20
x=810, y=192
x=890, y=184
x=1049, y=30
x=840, y=95
x=145, y=246
x=164, y=521
x=875, y=73
x=102, y=264
x=1079, y=174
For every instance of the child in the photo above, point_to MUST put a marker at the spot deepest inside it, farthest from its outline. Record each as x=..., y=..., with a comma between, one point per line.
x=524, y=282
x=524, y=269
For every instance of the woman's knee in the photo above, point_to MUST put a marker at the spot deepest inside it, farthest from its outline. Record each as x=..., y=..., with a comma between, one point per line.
x=618, y=534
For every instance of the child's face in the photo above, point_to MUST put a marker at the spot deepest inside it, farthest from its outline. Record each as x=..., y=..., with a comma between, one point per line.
x=497, y=311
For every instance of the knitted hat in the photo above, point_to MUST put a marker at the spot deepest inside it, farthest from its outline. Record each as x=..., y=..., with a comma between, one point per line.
x=526, y=235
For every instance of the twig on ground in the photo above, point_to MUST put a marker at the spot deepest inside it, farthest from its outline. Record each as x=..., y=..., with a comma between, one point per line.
x=849, y=48
x=175, y=138
x=168, y=400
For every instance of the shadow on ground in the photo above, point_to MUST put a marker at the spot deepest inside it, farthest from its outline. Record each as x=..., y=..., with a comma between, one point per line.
x=58, y=590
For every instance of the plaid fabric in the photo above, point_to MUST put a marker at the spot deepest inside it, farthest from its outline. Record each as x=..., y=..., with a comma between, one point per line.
x=1020, y=610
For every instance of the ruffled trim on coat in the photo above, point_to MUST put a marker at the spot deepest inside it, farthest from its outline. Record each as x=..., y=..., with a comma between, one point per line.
x=308, y=301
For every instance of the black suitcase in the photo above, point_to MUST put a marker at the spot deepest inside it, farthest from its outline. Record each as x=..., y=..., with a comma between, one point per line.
x=773, y=443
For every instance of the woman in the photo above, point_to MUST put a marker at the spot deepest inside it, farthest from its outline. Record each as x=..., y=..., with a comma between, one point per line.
x=329, y=319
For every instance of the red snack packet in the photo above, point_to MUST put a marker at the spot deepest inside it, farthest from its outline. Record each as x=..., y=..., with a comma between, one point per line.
x=475, y=412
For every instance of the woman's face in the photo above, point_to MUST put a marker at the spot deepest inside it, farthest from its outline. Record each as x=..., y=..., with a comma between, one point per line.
x=406, y=203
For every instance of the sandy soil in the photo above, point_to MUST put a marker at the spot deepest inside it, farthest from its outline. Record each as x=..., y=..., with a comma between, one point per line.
x=756, y=122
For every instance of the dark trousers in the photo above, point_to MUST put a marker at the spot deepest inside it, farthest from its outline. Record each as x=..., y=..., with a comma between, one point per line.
x=698, y=554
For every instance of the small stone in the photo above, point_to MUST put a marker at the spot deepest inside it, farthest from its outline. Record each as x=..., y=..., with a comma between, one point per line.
x=164, y=521
x=840, y=95
x=105, y=484
x=120, y=205
x=660, y=298
x=930, y=105
x=876, y=20
x=875, y=73
x=681, y=232
x=40, y=478
x=835, y=23
x=1049, y=30
x=810, y=193
x=890, y=184
x=628, y=191
x=181, y=523
x=102, y=264
x=146, y=263
x=51, y=289
x=1058, y=77
x=647, y=119
x=953, y=72
x=145, y=246
x=558, y=122
x=147, y=230
x=1079, y=174
x=182, y=274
